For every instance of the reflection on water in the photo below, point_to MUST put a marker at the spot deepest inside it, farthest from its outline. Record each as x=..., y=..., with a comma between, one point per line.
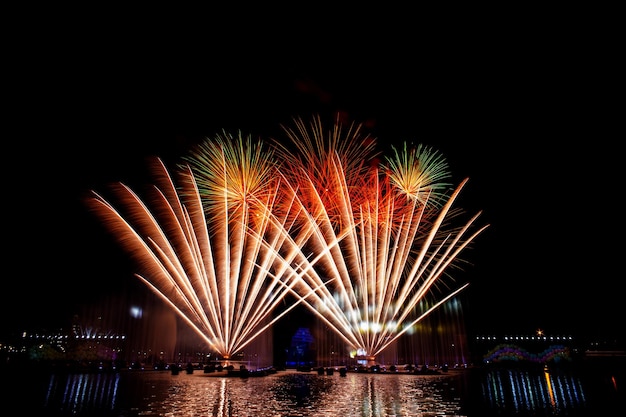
x=582, y=391
x=78, y=392
x=484, y=392
x=136, y=393
x=525, y=391
x=365, y=395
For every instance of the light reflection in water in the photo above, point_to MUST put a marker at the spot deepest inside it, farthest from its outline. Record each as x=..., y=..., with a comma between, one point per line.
x=494, y=392
x=77, y=392
x=528, y=391
x=550, y=390
x=283, y=394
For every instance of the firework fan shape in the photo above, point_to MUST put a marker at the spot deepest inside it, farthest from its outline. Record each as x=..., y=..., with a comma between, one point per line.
x=203, y=243
x=374, y=241
x=361, y=245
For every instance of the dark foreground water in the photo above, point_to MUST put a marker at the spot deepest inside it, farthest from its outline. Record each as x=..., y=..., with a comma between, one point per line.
x=484, y=392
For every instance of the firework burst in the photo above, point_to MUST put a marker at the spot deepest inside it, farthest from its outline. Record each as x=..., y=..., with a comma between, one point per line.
x=373, y=247
x=361, y=245
x=203, y=242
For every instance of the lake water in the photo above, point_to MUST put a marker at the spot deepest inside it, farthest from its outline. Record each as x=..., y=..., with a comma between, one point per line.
x=469, y=392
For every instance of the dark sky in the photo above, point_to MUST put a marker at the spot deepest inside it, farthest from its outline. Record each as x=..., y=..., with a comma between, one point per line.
x=531, y=120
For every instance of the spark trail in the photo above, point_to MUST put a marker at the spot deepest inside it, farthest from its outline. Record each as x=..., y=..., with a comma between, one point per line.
x=378, y=241
x=203, y=244
x=361, y=244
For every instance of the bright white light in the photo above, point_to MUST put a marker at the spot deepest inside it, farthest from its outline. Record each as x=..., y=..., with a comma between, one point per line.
x=136, y=312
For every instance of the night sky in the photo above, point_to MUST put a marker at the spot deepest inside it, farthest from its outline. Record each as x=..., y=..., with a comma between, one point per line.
x=532, y=123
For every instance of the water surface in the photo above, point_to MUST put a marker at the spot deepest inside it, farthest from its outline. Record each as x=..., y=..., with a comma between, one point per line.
x=483, y=392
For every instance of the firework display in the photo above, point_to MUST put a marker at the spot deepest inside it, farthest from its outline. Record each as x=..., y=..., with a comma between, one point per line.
x=320, y=219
